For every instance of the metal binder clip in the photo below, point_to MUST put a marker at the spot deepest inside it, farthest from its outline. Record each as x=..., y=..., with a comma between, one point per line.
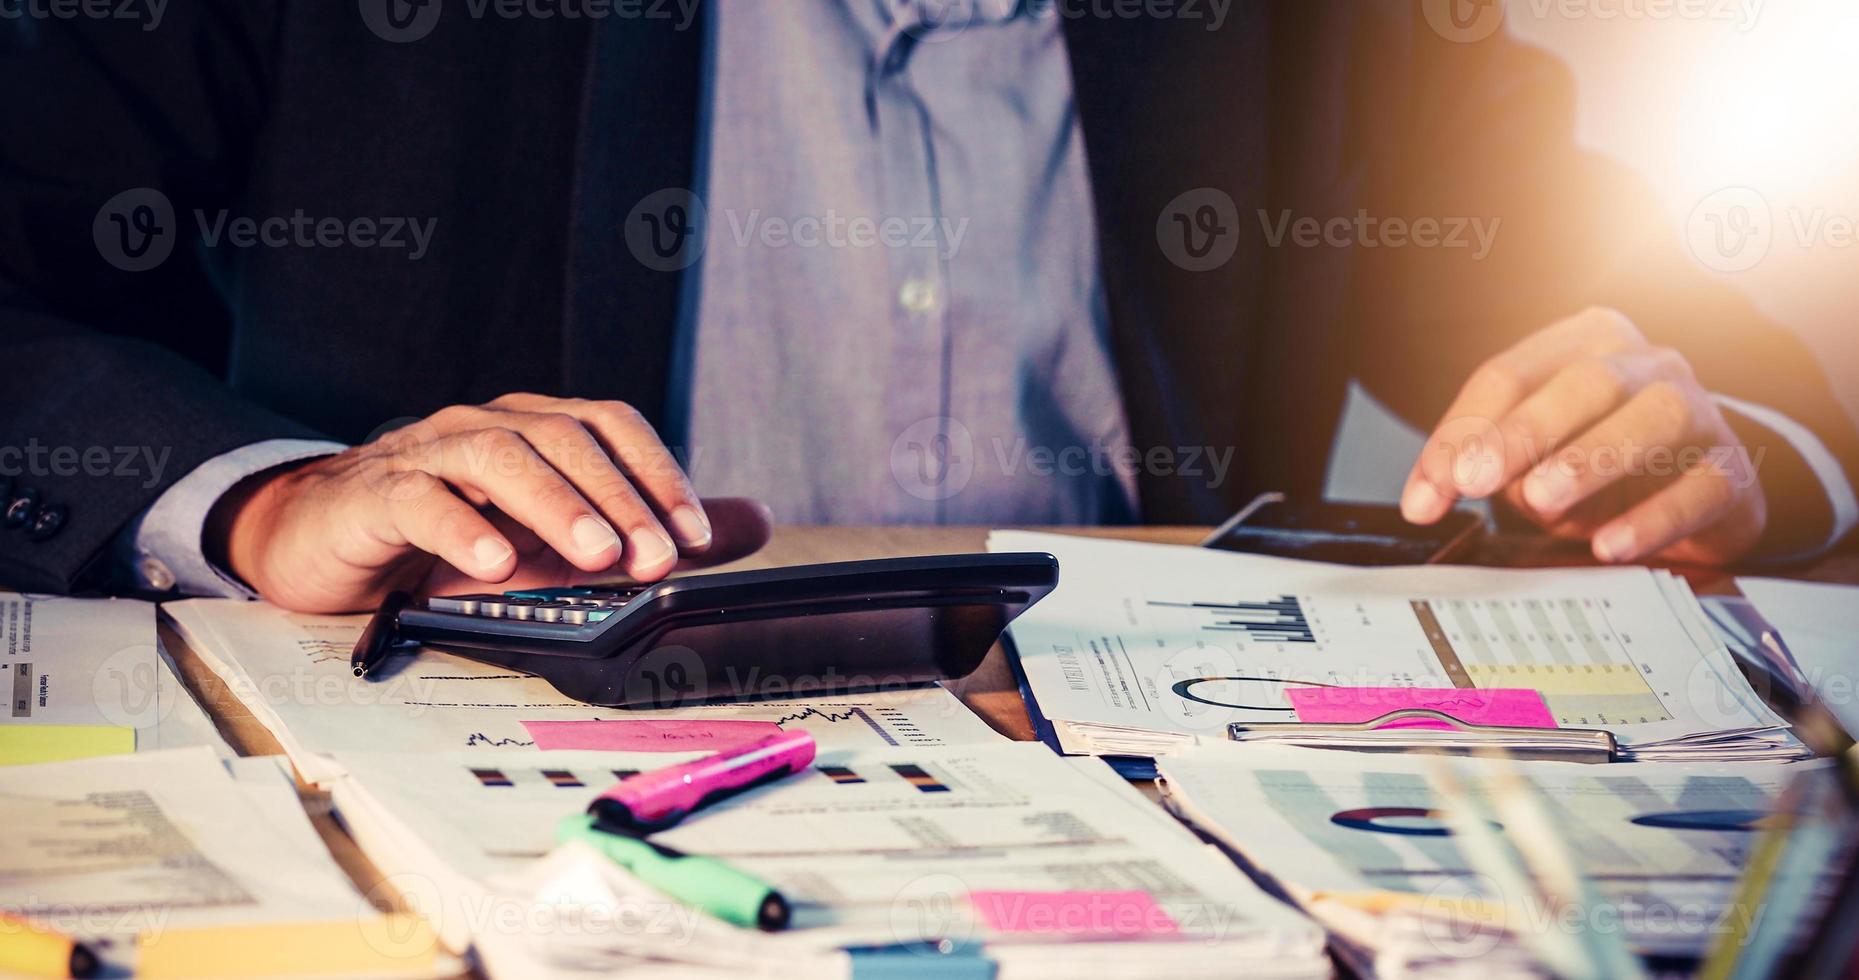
x=1459, y=738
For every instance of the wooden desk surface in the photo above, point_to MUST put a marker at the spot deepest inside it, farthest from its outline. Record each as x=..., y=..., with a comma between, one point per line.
x=990, y=690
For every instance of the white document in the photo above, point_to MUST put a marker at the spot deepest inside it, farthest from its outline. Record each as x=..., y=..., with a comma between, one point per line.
x=1664, y=843
x=292, y=672
x=95, y=662
x=1144, y=646
x=589, y=918
x=874, y=846
x=1820, y=624
x=110, y=847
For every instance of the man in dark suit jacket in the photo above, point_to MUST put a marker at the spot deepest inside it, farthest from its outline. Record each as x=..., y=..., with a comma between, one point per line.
x=237, y=236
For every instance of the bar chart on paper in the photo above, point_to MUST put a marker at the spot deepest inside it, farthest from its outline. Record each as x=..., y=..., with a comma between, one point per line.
x=1565, y=647
x=1279, y=620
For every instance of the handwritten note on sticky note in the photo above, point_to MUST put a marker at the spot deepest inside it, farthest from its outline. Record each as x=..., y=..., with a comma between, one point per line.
x=1080, y=913
x=1507, y=707
x=24, y=744
x=667, y=735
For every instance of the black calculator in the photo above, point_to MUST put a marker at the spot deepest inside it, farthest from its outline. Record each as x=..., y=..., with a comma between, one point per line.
x=786, y=632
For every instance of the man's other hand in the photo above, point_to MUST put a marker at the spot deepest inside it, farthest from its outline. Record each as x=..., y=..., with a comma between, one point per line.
x=1594, y=433
x=523, y=491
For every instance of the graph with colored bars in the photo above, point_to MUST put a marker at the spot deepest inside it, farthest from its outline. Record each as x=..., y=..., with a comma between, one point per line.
x=1279, y=620
x=917, y=776
x=1564, y=648
x=510, y=777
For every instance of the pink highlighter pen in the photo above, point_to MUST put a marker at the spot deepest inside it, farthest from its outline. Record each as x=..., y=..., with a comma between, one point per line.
x=655, y=800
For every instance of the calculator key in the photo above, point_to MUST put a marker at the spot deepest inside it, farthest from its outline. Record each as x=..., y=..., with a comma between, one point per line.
x=575, y=615
x=551, y=611
x=466, y=605
x=494, y=608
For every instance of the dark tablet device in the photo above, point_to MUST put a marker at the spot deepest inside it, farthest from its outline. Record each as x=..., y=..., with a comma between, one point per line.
x=1350, y=534
x=779, y=632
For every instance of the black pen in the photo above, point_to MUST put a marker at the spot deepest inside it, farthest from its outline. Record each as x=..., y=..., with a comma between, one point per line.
x=378, y=637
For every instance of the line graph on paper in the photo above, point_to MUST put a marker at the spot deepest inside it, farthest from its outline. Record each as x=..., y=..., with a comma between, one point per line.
x=893, y=725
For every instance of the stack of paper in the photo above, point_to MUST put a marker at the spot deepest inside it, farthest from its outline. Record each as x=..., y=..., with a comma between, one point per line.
x=1054, y=866
x=292, y=672
x=1819, y=623
x=166, y=860
x=88, y=677
x=1358, y=841
x=1143, y=647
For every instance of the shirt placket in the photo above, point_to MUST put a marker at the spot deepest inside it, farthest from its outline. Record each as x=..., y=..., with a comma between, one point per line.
x=911, y=234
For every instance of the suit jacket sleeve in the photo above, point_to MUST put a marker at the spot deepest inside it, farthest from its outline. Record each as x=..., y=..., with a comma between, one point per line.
x=96, y=416
x=1484, y=130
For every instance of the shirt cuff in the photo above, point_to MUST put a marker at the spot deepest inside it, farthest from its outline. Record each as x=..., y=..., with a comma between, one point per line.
x=164, y=547
x=1820, y=461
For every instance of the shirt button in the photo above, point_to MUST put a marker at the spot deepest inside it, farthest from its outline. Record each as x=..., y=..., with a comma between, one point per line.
x=46, y=523
x=919, y=296
x=20, y=509
x=156, y=575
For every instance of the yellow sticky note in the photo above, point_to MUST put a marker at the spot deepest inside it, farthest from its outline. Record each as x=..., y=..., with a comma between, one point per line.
x=370, y=946
x=20, y=744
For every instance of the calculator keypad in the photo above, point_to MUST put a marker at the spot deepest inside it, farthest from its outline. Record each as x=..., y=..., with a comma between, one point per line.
x=568, y=606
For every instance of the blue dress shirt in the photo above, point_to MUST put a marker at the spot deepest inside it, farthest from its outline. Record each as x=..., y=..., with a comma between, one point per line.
x=897, y=317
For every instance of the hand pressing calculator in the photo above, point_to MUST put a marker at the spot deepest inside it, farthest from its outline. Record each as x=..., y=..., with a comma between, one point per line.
x=780, y=632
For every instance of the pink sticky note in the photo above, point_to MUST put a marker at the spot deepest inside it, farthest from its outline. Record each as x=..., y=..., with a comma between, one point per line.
x=1085, y=914
x=647, y=736
x=1507, y=707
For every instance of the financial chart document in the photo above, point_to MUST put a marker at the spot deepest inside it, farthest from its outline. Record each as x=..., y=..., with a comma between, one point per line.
x=127, y=844
x=1664, y=843
x=292, y=672
x=872, y=845
x=78, y=661
x=94, y=669
x=1186, y=640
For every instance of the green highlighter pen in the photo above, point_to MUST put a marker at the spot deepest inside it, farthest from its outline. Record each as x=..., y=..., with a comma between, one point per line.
x=697, y=881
